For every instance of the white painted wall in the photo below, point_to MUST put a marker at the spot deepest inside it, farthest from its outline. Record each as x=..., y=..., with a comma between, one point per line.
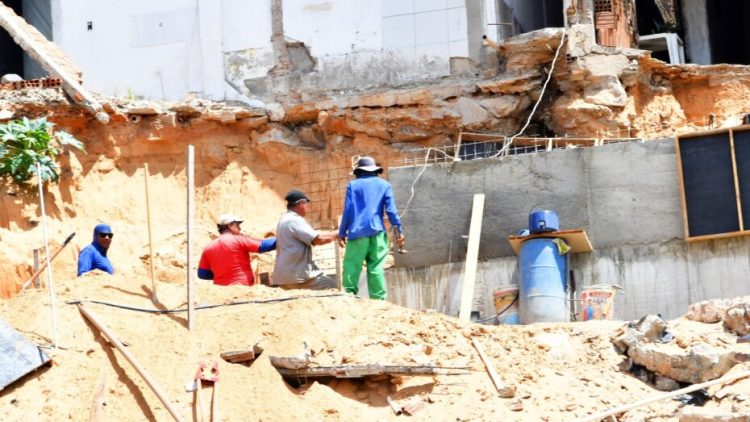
x=168, y=48
x=697, y=42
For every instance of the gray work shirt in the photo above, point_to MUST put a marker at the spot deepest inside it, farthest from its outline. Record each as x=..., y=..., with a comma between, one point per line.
x=294, y=262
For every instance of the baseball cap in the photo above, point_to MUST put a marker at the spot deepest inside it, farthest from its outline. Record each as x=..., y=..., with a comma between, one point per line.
x=227, y=219
x=295, y=196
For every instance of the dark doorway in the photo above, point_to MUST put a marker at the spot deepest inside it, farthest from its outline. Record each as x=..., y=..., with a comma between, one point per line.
x=530, y=15
x=728, y=31
x=11, y=55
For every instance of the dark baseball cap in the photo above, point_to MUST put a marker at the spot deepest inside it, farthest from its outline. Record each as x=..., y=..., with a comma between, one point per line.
x=295, y=197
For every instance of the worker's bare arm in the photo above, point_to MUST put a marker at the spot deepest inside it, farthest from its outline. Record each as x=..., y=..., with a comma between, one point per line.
x=325, y=237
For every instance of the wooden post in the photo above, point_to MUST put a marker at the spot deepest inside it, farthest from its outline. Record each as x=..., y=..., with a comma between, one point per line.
x=472, y=255
x=190, y=213
x=46, y=254
x=154, y=297
x=113, y=340
x=337, y=253
x=504, y=390
x=35, y=280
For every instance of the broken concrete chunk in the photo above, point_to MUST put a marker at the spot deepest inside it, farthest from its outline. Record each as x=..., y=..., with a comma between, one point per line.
x=708, y=311
x=472, y=114
x=737, y=318
x=605, y=90
x=652, y=327
x=698, y=414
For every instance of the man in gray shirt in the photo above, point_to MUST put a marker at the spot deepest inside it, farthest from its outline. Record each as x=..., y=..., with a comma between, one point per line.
x=294, y=267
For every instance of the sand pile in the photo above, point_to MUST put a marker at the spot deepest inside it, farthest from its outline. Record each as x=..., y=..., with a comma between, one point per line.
x=561, y=372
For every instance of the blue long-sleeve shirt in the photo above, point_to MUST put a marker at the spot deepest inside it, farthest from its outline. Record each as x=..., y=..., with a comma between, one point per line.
x=367, y=197
x=94, y=255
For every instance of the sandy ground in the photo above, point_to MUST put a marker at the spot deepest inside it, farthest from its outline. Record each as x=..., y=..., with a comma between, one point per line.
x=561, y=372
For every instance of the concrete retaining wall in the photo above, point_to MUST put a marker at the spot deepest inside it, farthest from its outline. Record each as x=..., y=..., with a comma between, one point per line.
x=626, y=196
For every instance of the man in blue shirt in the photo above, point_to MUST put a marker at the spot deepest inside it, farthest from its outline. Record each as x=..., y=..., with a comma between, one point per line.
x=94, y=255
x=363, y=230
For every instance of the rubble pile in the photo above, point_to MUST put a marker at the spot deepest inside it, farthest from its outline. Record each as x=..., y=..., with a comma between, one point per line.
x=557, y=371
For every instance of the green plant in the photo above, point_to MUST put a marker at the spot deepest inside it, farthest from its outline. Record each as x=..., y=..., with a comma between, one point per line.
x=24, y=143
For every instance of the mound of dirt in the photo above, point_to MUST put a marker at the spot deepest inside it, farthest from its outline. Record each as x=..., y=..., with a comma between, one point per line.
x=560, y=371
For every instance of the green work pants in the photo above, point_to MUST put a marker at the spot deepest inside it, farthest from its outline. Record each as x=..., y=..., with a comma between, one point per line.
x=372, y=250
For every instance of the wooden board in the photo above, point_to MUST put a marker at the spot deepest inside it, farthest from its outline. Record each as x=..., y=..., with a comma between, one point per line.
x=472, y=255
x=742, y=156
x=576, y=239
x=18, y=356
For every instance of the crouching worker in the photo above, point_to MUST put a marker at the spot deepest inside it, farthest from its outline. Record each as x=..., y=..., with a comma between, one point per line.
x=226, y=260
x=94, y=255
x=294, y=267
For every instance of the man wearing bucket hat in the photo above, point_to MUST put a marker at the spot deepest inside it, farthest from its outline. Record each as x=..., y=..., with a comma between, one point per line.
x=226, y=260
x=363, y=229
x=294, y=267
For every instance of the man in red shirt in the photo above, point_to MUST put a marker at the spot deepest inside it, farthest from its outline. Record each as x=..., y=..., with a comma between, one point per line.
x=226, y=260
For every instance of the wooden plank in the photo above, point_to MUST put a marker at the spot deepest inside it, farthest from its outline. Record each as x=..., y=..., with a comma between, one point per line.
x=504, y=390
x=472, y=255
x=577, y=239
x=190, y=169
x=131, y=359
x=741, y=137
x=359, y=371
x=683, y=203
x=718, y=236
x=736, y=181
x=18, y=356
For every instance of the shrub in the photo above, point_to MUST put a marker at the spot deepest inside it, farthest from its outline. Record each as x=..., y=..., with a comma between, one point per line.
x=23, y=143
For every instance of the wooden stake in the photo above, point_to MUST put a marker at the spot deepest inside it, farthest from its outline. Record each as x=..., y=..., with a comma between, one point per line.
x=46, y=253
x=190, y=213
x=97, y=404
x=39, y=271
x=695, y=387
x=35, y=280
x=130, y=358
x=154, y=297
x=504, y=390
x=472, y=255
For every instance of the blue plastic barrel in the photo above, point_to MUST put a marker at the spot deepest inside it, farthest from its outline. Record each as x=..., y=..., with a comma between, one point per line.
x=542, y=289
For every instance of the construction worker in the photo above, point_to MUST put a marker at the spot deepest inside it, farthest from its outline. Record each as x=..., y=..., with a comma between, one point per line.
x=226, y=260
x=94, y=255
x=294, y=267
x=362, y=228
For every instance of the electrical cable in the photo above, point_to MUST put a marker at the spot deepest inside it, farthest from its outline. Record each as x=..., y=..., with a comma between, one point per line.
x=509, y=141
x=174, y=311
x=424, y=167
x=515, y=299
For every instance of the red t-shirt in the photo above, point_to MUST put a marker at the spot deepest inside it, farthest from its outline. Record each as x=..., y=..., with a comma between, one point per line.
x=228, y=257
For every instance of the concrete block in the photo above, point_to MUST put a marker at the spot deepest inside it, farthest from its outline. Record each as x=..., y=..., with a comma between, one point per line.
x=431, y=27
x=396, y=7
x=398, y=32
x=457, y=29
x=429, y=5
x=462, y=66
x=604, y=65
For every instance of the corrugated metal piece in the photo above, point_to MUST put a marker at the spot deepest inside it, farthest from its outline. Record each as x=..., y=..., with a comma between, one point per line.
x=18, y=356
